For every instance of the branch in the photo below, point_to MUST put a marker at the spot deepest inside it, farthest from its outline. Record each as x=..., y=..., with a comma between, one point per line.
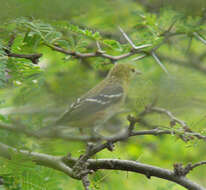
x=157, y=131
x=64, y=164
x=88, y=55
x=131, y=43
x=92, y=150
x=173, y=119
x=134, y=50
x=55, y=133
x=34, y=58
x=186, y=135
x=159, y=62
x=145, y=169
x=85, y=182
x=199, y=38
x=54, y=162
x=198, y=164
x=179, y=170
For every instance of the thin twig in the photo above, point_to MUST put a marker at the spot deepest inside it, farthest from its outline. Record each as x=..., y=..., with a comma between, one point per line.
x=159, y=62
x=197, y=165
x=179, y=170
x=131, y=43
x=170, y=115
x=34, y=58
x=199, y=38
x=139, y=57
x=127, y=38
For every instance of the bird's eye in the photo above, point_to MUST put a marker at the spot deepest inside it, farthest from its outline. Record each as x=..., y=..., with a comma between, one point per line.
x=133, y=70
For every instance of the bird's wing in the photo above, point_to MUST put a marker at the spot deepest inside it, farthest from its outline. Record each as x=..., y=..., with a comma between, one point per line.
x=89, y=105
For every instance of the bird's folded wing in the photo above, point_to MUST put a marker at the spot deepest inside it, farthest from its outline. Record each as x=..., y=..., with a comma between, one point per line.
x=91, y=104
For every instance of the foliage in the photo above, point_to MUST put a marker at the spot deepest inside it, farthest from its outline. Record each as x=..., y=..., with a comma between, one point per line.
x=48, y=87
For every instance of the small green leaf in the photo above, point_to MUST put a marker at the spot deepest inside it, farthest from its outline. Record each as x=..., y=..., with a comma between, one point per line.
x=113, y=44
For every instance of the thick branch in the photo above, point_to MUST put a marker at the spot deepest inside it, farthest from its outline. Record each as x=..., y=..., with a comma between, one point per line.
x=65, y=164
x=148, y=170
x=54, y=162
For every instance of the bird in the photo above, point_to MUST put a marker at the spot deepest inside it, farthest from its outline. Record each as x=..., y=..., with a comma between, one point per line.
x=100, y=103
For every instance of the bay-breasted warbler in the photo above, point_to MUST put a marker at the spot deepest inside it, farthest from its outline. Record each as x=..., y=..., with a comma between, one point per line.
x=101, y=102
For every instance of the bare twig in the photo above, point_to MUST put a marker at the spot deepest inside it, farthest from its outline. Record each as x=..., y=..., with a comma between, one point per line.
x=158, y=131
x=131, y=43
x=99, y=48
x=199, y=38
x=127, y=38
x=159, y=62
x=187, y=134
x=171, y=116
x=139, y=57
x=197, y=165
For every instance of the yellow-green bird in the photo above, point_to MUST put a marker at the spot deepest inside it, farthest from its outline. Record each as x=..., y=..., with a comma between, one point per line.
x=101, y=102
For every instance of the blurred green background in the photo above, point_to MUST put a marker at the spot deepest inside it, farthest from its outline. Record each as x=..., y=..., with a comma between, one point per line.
x=39, y=93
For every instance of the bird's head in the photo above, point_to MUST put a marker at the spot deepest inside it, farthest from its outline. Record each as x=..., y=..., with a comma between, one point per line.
x=123, y=72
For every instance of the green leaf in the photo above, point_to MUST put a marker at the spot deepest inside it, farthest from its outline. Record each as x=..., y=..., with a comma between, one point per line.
x=53, y=36
x=115, y=45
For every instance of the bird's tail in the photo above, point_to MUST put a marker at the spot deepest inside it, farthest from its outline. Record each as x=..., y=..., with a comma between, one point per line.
x=48, y=130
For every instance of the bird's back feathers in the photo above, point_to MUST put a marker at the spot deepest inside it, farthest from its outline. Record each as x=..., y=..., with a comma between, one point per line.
x=83, y=110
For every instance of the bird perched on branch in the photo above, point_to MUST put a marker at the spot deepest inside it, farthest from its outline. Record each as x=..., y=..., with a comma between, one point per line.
x=101, y=102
